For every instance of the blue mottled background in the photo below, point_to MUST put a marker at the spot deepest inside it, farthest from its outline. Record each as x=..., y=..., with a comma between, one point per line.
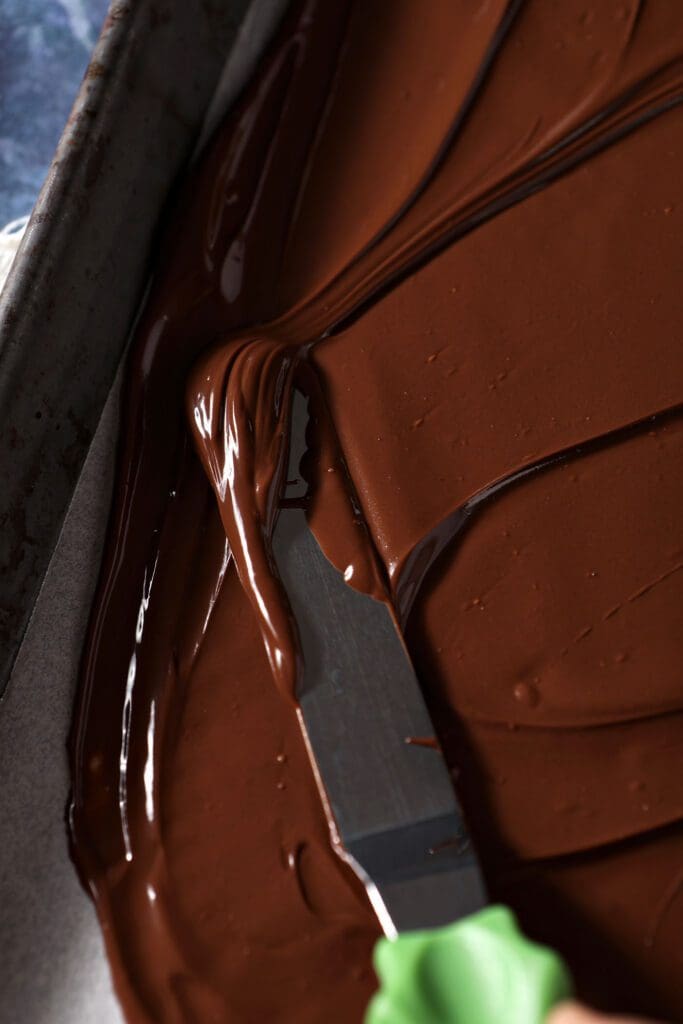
x=44, y=50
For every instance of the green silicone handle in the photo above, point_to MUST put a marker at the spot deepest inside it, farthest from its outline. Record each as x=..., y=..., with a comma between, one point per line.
x=480, y=970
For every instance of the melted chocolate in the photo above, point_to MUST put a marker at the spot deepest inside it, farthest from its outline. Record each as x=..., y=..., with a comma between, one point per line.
x=457, y=228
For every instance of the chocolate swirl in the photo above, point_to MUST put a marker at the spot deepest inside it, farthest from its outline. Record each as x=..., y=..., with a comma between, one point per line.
x=458, y=224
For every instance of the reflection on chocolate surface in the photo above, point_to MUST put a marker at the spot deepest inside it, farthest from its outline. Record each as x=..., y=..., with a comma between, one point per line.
x=459, y=223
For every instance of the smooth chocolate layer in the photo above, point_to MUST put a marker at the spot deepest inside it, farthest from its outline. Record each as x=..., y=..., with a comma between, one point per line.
x=456, y=225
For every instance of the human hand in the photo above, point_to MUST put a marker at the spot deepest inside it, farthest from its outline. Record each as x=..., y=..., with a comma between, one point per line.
x=573, y=1013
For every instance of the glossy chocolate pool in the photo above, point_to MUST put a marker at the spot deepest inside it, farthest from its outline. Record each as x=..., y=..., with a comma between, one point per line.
x=459, y=222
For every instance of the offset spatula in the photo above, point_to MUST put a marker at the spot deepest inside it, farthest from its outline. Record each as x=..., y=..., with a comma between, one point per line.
x=447, y=956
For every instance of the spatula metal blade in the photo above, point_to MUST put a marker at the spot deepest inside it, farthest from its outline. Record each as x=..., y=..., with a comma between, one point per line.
x=392, y=801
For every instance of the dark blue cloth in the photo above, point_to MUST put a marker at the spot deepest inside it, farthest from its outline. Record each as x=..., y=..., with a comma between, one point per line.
x=45, y=46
